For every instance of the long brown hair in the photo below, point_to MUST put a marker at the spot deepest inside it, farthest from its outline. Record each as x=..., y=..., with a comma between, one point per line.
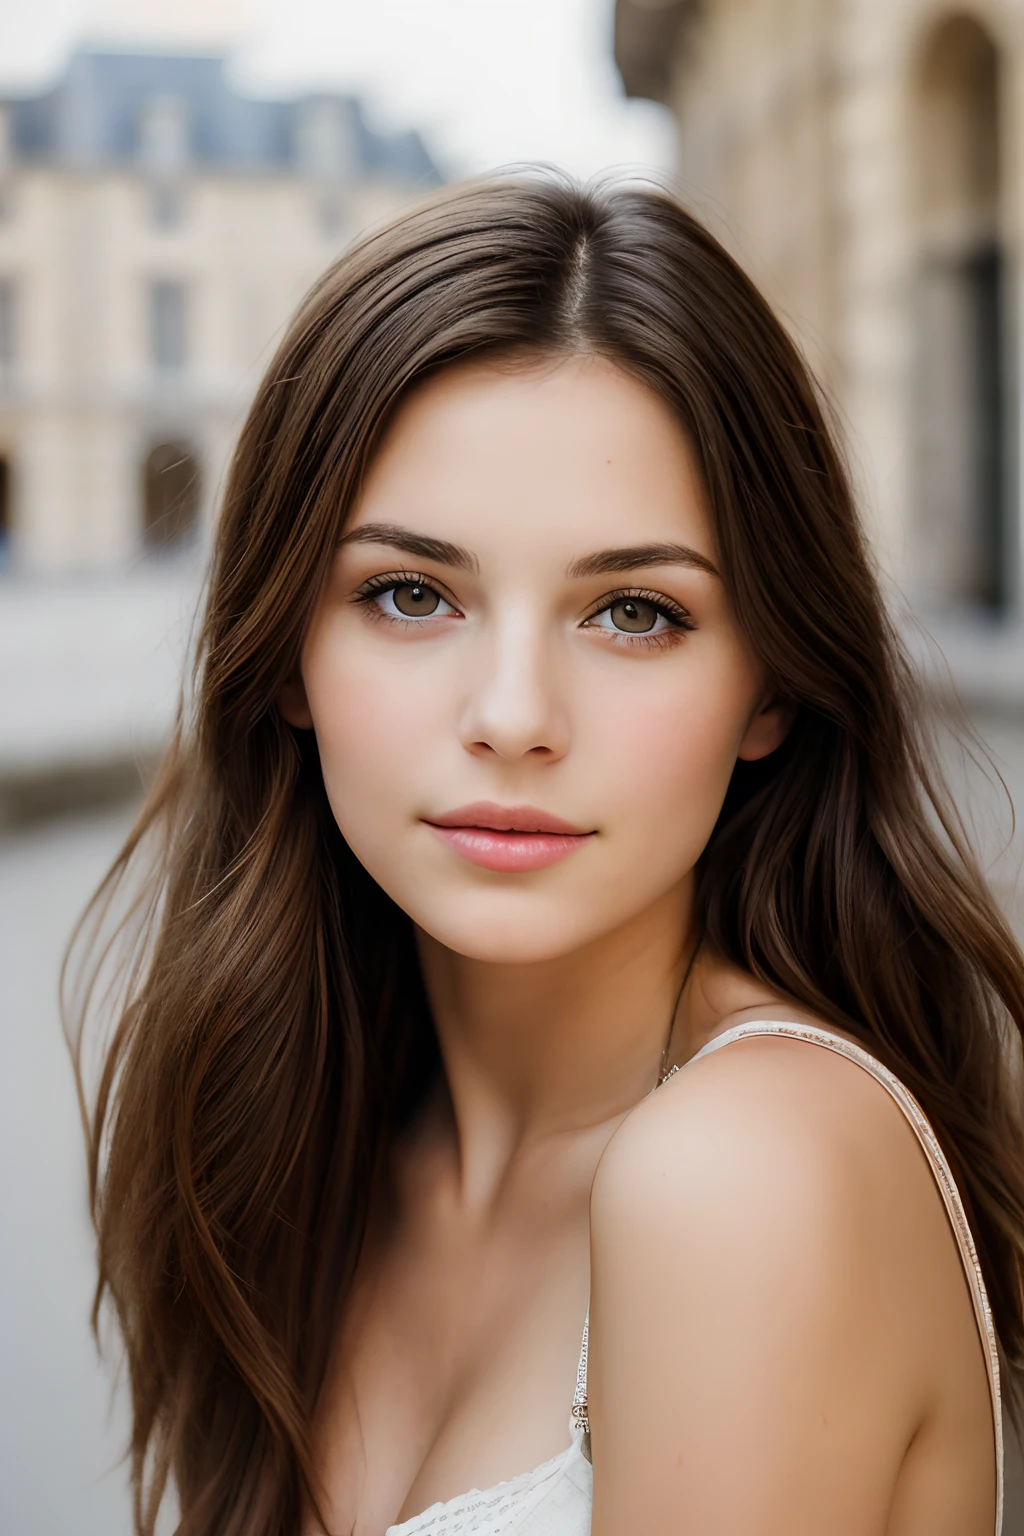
x=272, y=1034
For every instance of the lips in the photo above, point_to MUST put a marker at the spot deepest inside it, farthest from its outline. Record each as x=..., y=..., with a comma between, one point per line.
x=507, y=838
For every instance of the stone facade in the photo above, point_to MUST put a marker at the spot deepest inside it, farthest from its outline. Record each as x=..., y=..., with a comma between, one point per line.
x=863, y=159
x=156, y=231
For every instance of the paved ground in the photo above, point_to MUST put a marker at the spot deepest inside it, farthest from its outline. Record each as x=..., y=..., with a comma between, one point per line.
x=60, y=1435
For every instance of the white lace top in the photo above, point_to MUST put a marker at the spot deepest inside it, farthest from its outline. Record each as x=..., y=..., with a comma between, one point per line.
x=555, y=1499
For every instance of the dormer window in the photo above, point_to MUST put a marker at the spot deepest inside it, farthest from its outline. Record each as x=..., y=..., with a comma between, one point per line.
x=164, y=134
x=324, y=149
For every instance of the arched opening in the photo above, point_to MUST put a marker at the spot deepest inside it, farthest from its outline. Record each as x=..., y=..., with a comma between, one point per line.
x=5, y=508
x=963, y=459
x=170, y=495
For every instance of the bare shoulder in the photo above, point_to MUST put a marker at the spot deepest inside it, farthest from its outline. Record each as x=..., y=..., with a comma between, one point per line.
x=763, y=1118
x=778, y=1177
x=774, y=1287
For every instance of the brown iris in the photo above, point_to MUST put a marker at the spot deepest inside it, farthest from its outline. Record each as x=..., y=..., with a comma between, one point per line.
x=633, y=615
x=414, y=600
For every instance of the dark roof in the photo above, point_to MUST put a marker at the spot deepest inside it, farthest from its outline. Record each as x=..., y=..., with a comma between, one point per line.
x=93, y=115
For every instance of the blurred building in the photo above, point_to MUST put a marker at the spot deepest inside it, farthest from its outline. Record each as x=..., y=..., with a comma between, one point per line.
x=156, y=230
x=864, y=161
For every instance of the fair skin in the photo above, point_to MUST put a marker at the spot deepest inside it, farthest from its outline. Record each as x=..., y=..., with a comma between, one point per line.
x=782, y=1340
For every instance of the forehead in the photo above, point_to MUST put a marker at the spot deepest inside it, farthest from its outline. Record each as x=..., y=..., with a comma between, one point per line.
x=558, y=455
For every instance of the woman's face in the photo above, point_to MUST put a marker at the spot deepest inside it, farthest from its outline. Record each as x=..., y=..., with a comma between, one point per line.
x=526, y=680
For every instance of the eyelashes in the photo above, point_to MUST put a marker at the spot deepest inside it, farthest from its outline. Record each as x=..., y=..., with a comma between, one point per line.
x=635, y=616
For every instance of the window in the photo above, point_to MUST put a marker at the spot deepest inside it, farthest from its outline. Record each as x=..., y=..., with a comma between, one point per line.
x=166, y=207
x=5, y=509
x=170, y=495
x=8, y=339
x=167, y=325
x=964, y=448
x=331, y=216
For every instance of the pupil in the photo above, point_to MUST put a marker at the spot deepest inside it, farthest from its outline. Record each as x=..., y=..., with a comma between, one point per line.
x=634, y=615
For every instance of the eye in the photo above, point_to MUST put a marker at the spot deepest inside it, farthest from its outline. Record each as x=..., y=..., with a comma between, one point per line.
x=401, y=598
x=637, y=614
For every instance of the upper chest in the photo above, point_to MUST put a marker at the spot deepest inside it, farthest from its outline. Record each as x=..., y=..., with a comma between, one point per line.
x=455, y=1358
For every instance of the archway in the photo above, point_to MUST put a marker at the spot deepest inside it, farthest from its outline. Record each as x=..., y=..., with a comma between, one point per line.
x=170, y=495
x=5, y=507
x=962, y=357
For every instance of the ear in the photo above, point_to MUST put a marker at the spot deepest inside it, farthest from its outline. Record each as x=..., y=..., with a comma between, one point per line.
x=768, y=728
x=294, y=705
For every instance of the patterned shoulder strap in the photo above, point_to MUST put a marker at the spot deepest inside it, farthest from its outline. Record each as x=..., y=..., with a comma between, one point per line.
x=941, y=1172
x=579, y=1399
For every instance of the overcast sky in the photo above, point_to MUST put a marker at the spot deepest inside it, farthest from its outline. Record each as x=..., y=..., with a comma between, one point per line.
x=488, y=82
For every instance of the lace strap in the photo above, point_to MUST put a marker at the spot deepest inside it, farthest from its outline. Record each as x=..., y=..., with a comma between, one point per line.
x=579, y=1400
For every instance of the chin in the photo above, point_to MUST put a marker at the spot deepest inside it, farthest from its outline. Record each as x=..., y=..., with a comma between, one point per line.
x=497, y=939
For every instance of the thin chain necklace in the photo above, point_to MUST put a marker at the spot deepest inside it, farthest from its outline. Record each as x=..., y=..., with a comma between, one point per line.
x=580, y=1415
x=664, y=1070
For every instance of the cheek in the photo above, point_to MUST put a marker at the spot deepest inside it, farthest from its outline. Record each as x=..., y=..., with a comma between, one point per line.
x=668, y=750
x=372, y=730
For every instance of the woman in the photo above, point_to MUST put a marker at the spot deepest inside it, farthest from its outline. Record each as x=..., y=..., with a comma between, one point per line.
x=549, y=735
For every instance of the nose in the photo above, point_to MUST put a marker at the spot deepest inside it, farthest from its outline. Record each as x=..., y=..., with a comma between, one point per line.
x=515, y=707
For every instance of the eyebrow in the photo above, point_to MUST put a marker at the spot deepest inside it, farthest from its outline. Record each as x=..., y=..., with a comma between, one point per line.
x=633, y=557
x=604, y=562
x=396, y=537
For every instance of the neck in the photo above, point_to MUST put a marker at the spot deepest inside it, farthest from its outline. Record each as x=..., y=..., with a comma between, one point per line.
x=545, y=1048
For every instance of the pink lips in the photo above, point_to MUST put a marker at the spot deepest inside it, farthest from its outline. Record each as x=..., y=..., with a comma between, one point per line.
x=507, y=838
